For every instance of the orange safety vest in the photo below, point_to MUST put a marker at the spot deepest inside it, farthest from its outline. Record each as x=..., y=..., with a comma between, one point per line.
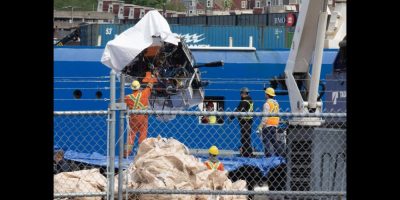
x=214, y=166
x=273, y=108
x=137, y=102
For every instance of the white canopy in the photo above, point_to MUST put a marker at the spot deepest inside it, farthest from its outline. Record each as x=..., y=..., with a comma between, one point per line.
x=125, y=47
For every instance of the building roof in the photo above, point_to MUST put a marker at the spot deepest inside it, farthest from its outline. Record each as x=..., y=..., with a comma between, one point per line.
x=199, y=6
x=216, y=6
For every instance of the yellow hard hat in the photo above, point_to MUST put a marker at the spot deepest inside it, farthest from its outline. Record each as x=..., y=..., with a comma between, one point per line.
x=270, y=91
x=135, y=85
x=213, y=150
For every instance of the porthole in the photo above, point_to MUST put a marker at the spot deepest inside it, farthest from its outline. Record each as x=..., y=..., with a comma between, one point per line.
x=77, y=94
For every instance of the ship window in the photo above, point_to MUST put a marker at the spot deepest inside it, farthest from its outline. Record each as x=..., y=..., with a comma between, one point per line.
x=212, y=103
x=77, y=94
x=99, y=94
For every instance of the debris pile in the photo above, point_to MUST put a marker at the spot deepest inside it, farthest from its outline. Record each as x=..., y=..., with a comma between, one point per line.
x=83, y=181
x=166, y=164
x=160, y=164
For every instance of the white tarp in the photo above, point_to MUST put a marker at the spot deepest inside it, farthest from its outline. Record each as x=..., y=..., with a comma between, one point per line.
x=125, y=47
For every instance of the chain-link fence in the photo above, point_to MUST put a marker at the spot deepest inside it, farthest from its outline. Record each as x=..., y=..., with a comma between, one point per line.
x=293, y=156
x=80, y=151
x=275, y=162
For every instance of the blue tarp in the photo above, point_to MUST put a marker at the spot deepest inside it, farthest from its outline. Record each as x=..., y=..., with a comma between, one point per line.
x=263, y=163
x=230, y=163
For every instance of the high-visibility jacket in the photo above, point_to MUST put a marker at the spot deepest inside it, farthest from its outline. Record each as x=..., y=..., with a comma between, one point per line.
x=138, y=100
x=246, y=105
x=251, y=109
x=273, y=106
x=214, y=166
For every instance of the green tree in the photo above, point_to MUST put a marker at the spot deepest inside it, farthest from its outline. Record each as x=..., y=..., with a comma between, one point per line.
x=149, y=3
x=180, y=7
x=227, y=4
x=86, y=5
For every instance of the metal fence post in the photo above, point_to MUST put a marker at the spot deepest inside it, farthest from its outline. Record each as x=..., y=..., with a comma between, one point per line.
x=111, y=157
x=121, y=135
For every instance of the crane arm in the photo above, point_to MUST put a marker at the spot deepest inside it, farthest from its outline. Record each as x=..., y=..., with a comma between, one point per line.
x=307, y=47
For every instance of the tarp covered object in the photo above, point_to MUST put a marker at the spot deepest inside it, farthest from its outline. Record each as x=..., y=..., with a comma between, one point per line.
x=125, y=47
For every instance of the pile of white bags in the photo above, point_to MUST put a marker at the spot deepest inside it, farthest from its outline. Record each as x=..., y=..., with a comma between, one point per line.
x=166, y=164
x=83, y=181
x=159, y=164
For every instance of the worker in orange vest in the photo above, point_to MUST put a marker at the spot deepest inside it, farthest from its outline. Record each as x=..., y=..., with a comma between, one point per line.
x=213, y=162
x=268, y=126
x=138, y=100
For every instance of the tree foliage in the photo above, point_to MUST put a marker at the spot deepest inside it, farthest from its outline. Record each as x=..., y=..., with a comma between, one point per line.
x=159, y=4
x=86, y=5
x=228, y=4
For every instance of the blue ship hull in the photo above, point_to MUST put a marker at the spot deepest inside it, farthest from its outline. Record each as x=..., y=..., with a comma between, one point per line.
x=79, y=68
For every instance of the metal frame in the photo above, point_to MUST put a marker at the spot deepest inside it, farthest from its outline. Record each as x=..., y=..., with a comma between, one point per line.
x=236, y=114
x=94, y=112
x=211, y=192
x=227, y=192
x=307, y=44
x=111, y=142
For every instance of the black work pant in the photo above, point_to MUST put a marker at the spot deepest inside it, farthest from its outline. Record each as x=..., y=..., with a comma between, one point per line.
x=245, y=130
